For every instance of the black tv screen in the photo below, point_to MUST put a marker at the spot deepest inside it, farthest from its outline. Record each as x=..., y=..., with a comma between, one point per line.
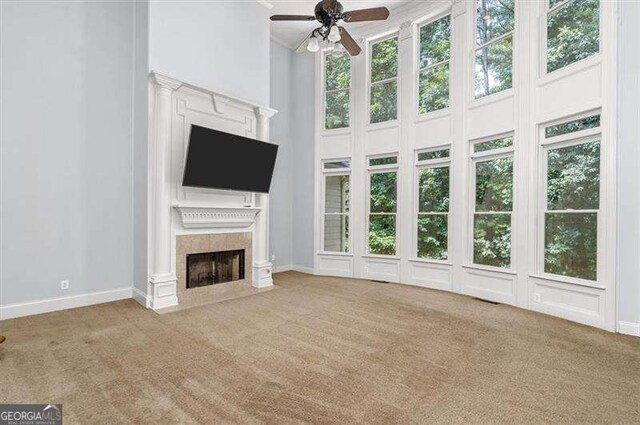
x=225, y=161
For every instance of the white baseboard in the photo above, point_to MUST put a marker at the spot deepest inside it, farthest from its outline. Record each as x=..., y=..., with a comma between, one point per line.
x=63, y=303
x=141, y=297
x=629, y=328
x=280, y=269
x=302, y=269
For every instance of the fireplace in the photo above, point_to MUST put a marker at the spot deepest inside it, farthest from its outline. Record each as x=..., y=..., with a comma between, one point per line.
x=210, y=268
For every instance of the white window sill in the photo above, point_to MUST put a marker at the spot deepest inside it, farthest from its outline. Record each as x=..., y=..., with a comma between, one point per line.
x=492, y=98
x=574, y=68
x=334, y=254
x=429, y=261
x=568, y=280
x=433, y=115
x=489, y=269
x=381, y=257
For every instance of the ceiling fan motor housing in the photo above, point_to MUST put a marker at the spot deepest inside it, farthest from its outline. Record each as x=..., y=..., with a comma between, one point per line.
x=330, y=16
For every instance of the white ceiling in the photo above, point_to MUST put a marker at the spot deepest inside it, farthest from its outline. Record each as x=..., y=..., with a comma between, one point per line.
x=293, y=32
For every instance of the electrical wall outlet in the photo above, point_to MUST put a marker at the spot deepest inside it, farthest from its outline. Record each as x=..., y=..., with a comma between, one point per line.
x=64, y=285
x=273, y=258
x=536, y=297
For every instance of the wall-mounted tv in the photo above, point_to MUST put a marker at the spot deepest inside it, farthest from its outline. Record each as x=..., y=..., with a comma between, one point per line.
x=221, y=160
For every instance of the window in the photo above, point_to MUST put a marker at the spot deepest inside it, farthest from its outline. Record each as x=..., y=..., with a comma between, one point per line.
x=495, y=22
x=337, y=88
x=572, y=201
x=433, y=204
x=382, y=205
x=493, y=180
x=573, y=32
x=336, y=206
x=433, y=65
x=383, y=104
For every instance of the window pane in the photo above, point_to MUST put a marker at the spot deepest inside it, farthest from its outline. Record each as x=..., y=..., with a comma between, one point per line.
x=336, y=194
x=332, y=165
x=433, y=190
x=426, y=156
x=387, y=160
x=383, y=193
x=382, y=234
x=433, y=89
x=337, y=110
x=573, y=177
x=435, y=42
x=573, y=33
x=493, y=68
x=338, y=72
x=384, y=60
x=572, y=126
x=336, y=233
x=493, y=19
x=383, y=101
x=432, y=237
x=571, y=244
x=494, y=185
x=504, y=142
x=492, y=240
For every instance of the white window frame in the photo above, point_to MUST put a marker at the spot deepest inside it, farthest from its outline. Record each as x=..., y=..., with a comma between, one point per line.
x=419, y=70
x=370, y=83
x=544, y=38
x=476, y=48
x=379, y=169
x=484, y=156
x=345, y=171
x=325, y=92
x=557, y=142
x=422, y=165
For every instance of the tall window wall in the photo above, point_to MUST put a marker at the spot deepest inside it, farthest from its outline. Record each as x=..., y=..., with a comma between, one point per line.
x=433, y=65
x=383, y=199
x=336, y=205
x=337, y=92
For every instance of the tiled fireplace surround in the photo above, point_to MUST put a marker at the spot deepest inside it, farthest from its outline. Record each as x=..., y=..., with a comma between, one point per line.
x=185, y=220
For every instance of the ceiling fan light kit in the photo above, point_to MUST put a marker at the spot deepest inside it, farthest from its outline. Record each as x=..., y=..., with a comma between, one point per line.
x=337, y=38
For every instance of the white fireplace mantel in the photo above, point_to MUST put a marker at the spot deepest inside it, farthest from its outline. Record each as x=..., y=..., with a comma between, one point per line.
x=201, y=216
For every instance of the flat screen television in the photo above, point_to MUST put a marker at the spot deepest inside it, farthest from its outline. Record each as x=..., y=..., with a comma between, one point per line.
x=221, y=160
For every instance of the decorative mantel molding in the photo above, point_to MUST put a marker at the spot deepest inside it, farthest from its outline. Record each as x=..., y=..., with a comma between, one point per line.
x=206, y=217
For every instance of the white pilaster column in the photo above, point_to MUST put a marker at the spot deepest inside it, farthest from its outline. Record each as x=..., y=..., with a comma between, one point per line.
x=162, y=282
x=262, y=267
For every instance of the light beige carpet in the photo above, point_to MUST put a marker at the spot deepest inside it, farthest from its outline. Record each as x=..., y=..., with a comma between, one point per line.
x=321, y=350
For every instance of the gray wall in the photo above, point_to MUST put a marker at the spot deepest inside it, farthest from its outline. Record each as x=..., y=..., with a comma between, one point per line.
x=221, y=45
x=140, y=158
x=66, y=190
x=629, y=163
x=281, y=196
x=303, y=122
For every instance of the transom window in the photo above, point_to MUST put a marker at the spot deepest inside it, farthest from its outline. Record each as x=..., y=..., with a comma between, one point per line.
x=573, y=32
x=495, y=23
x=493, y=202
x=572, y=198
x=382, y=205
x=383, y=93
x=433, y=204
x=336, y=205
x=336, y=91
x=433, y=65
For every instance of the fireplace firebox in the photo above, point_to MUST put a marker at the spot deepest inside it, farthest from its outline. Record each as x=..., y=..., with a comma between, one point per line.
x=211, y=268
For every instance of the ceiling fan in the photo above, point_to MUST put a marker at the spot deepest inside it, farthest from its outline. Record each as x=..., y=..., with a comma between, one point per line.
x=338, y=39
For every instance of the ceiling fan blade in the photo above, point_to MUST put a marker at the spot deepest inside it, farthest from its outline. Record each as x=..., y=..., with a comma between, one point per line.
x=293, y=18
x=373, y=14
x=349, y=43
x=329, y=4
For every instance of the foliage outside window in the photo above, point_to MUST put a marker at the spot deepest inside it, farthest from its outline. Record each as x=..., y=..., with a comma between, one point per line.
x=337, y=89
x=572, y=126
x=493, y=207
x=572, y=204
x=383, y=104
x=433, y=205
x=573, y=32
x=495, y=23
x=433, y=65
x=382, y=209
x=336, y=213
